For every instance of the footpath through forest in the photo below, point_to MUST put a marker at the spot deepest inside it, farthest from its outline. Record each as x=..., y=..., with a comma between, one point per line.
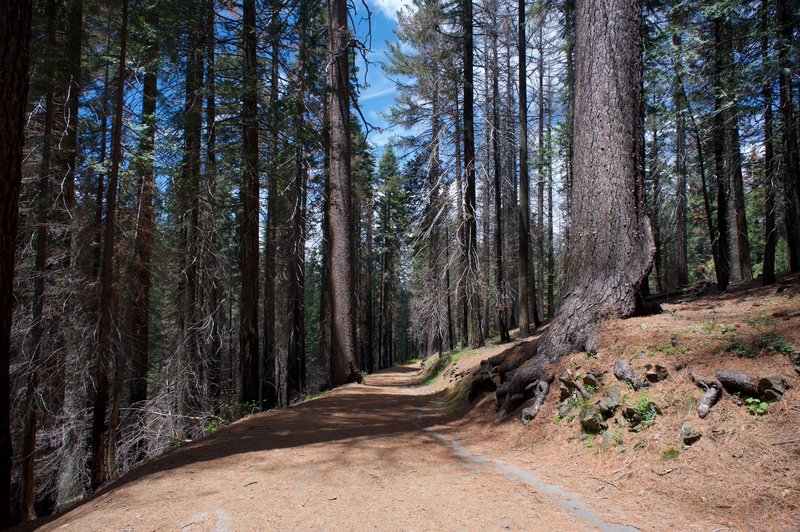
x=360, y=457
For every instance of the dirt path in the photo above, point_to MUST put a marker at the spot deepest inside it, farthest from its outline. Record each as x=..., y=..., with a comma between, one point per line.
x=356, y=459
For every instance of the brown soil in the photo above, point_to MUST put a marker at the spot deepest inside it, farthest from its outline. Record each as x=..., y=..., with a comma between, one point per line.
x=396, y=455
x=743, y=474
x=354, y=459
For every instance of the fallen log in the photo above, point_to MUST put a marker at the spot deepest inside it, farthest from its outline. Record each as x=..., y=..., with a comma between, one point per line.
x=625, y=372
x=540, y=393
x=709, y=399
x=713, y=391
x=738, y=383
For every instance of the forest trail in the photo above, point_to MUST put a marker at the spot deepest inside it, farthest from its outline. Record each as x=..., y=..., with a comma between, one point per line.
x=360, y=457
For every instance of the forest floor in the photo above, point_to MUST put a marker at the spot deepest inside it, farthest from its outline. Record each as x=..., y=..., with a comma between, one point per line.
x=406, y=451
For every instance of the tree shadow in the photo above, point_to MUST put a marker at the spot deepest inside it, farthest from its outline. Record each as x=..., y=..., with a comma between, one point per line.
x=384, y=406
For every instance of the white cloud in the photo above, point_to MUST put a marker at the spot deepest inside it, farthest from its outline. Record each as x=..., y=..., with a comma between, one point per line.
x=391, y=7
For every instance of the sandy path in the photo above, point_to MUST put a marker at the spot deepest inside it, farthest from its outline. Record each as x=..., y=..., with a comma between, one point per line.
x=356, y=459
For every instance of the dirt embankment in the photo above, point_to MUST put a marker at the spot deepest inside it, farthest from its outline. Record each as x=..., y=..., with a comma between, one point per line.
x=744, y=470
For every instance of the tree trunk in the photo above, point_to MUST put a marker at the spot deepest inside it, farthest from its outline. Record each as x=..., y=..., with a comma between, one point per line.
x=681, y=232
x=723, y=272
x=791, y=163
x=610, y=252
x=100, y=393
x=37, y=333
x=527, y=293
x=15, y=35
x=501, y=296
x=770, y=234
x=248, y=336
x=540, y=169
x=343, y=367
x=145, y=226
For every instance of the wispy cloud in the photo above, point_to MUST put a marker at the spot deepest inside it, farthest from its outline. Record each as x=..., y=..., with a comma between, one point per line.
x=371, y=95
x=391, y=7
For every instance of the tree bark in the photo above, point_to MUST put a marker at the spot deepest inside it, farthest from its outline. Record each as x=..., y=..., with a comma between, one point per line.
x=770, y=234
x=343, y=368
x=15, y=35
x=527, y=293
x=791, y=162
x=248, y=336
x=610, y=251
x=37, y=333
x=107, y=295
x=501, y=297
x=145, y=225
x=681, y=232
x=475, y=338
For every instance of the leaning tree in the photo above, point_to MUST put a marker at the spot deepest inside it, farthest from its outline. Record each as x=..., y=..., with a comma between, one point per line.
x=610, y=251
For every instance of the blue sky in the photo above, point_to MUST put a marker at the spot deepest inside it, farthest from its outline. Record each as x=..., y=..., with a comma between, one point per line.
x=379, y=96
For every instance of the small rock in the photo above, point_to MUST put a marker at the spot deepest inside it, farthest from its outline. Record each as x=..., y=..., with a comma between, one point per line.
x=771, y=387
x=680, y=366
x=688, y=435
x=673, y=340
x=608, y=405
x=632, y=416
x=564, y=408
x=565, y=391
x=590, y=379
x=656, y=373
x=592, y=420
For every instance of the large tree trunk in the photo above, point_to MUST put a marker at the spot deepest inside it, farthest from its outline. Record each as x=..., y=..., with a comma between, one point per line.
x=15, y=35
x=610, y=251
x=343, y=346
x=100, y=394
x=248, y=336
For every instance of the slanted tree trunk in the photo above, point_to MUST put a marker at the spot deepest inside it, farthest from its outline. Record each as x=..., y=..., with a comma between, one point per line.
x=101, y=385
x=610, y=252
x=15, y=36
x=248, y=336
x=343, y=348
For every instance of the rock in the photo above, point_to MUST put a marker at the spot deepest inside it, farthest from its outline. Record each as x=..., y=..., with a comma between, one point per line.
x=590, y=379
x=592, y=420
x=632, y=416
x=625, y=372
x=609, y=405
x=688, y=435
x=565, y=392
x=771, y=388
x=673, y=340
x=656, y=373
x=564, y=408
